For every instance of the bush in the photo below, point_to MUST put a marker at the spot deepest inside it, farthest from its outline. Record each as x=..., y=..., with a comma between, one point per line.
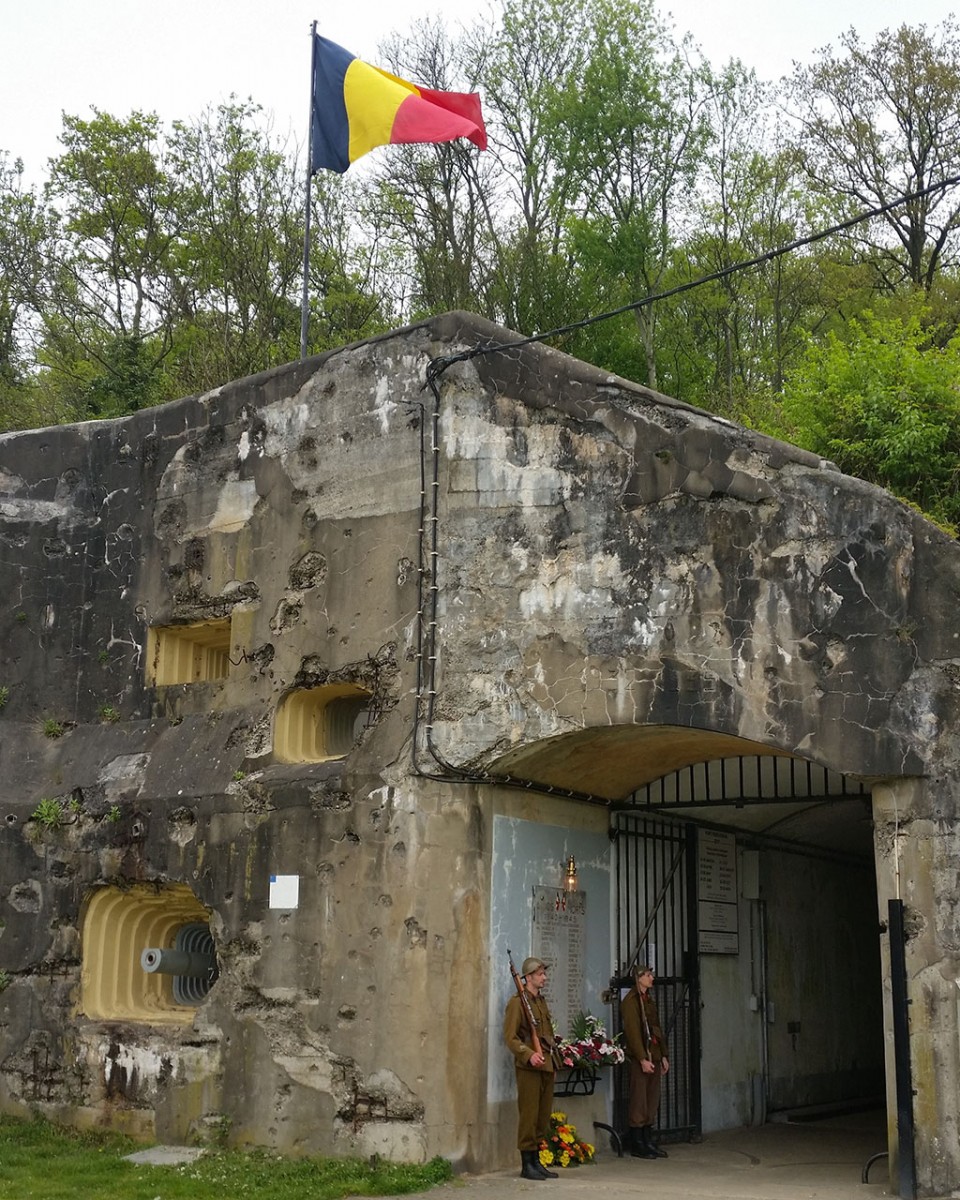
x=884, y=404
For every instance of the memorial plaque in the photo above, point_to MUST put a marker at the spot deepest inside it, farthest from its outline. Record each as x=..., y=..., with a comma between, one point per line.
x=717, y=911
x=559, y=920
x=717, y=866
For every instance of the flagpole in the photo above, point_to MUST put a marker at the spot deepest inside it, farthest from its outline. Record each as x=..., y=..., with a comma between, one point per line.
x=305, y=298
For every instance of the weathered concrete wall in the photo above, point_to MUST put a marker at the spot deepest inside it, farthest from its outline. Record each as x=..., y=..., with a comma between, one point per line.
x=618, y=577
x=291, y=503
x=918, y=862
x=727, y=583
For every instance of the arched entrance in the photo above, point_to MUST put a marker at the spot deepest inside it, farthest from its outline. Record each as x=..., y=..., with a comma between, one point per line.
x=747, y=877
x=749, y=883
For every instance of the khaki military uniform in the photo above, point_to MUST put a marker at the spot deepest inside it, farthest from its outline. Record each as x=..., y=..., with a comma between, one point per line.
x=644, y=1040
x=534, y=1084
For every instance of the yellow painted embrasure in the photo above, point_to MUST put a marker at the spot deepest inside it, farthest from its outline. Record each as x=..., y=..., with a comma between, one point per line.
x=117, y=927
x=315, y=724
x=188, y=653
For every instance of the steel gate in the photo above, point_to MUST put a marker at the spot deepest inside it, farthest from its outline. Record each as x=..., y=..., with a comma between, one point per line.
x=656, y=900
x=656, y=923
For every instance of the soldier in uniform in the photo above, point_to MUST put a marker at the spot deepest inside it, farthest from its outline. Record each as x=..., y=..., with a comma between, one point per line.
x=647, y=1053
x=534, y=1070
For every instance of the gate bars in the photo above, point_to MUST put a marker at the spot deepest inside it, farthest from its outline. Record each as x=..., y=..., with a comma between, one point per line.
x=657, y=924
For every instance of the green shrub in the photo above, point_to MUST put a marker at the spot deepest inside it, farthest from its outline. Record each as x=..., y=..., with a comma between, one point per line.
x=883, y=402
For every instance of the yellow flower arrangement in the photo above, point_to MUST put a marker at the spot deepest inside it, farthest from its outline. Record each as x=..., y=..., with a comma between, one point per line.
x=562, y=1147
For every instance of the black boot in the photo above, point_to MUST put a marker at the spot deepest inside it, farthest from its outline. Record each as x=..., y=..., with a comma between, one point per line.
x=638, y=1145
x=648, y=1141
x=530, y=1164
x=545, y=1172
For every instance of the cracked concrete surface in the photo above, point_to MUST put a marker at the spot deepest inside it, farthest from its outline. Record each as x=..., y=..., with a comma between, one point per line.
x=581, y=585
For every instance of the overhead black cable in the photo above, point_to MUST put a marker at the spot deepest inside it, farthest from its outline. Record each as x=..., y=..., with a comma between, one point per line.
x=437, y=366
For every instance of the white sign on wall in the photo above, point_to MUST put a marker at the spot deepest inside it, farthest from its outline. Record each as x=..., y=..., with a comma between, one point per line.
x=284, y=891
x=559, y=920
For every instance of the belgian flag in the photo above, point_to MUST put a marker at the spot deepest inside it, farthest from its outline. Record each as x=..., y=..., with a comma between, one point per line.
x=356, y=107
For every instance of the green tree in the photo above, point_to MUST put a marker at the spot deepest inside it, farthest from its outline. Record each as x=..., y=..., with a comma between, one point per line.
x=524, y=65
x=109, y=317
x=436, y=203
x=636, y=129
x=877, y=122
x=349, y=292
x=727, y=344
x=24, y=231
x=883, y=402
x=239, y=254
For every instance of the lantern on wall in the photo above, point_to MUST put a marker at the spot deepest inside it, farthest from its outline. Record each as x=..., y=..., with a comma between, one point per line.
x=570, y=875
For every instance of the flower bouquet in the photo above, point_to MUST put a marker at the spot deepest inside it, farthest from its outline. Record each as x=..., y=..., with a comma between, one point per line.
x=590, y=1045
x=562, y=1148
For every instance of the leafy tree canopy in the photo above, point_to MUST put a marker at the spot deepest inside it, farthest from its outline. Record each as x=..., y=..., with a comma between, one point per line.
x=164, y=258
x=882, y=400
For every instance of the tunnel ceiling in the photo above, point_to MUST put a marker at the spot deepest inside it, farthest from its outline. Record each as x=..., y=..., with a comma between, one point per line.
x=841, y=824
x=613, y=763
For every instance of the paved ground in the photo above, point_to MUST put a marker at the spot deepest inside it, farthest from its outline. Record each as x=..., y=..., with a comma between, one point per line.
x=810, y=1160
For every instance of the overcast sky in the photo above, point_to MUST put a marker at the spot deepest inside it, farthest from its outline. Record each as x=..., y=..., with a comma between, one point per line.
x=179, y=56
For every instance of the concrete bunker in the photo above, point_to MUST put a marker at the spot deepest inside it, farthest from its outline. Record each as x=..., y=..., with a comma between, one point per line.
x=557, y=588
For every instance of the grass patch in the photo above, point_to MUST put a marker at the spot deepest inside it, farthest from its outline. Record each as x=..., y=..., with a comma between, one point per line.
x=42, y=1161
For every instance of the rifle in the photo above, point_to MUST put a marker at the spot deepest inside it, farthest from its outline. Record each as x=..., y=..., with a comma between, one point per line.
x=555, y=1056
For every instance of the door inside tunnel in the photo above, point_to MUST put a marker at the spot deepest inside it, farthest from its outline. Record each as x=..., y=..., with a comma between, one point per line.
x=749, y=885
